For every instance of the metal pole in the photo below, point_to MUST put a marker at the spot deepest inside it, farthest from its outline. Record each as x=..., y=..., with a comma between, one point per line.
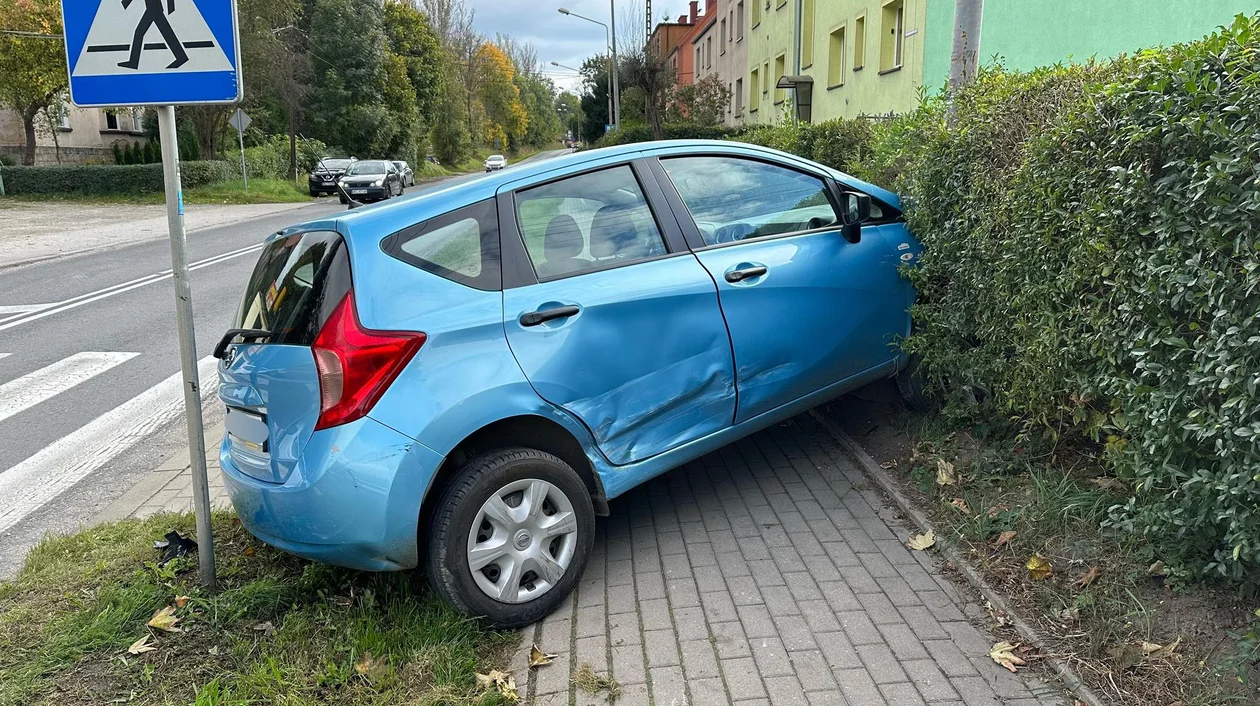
x=965, y=55
x=240, y=138
x=616, y=88
x=187, y=341
x=1, y=181
x=611, y=71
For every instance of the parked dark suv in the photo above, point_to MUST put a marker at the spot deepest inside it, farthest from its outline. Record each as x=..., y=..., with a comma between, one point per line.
x=323, y=178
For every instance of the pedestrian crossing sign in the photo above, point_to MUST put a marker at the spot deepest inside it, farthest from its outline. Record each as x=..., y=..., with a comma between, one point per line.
x=152, y=52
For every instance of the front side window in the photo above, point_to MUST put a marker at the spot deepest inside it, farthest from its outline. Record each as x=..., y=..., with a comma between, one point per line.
x=586, y=222
x=733, y=199
x=462, y=246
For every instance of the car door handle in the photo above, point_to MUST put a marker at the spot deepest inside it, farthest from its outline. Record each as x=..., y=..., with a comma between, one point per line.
x=534, y=318
x=741, y=275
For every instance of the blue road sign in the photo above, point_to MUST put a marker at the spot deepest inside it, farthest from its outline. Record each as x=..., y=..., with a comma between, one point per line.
x=152, y=52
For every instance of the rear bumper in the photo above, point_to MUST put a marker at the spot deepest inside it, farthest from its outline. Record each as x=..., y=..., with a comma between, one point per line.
x=353, y=499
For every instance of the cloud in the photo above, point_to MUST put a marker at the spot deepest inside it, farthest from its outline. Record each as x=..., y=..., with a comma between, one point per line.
x=564, y=40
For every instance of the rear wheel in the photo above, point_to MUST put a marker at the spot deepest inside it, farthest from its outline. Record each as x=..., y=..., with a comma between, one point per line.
x=511, y=536
x=912, y=387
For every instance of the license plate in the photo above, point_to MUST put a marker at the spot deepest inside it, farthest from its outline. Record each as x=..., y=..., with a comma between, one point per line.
x=358, y=191
x=328, y=183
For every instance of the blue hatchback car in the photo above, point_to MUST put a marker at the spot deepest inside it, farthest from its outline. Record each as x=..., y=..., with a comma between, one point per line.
x=464, y=379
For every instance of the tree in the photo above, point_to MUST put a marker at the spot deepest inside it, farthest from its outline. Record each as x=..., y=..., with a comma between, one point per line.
x=568, y=108
x=412, y=39
x=451, y=141
x=32, y=69
x=348, y=103
x=500, y=98
x=594, y=97
x=646, y=70
x=703, y=102
x=277, y=67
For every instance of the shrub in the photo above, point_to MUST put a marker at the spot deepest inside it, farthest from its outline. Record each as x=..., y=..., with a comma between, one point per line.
x=673, y=131
x=1093, y=264
x=108, y=179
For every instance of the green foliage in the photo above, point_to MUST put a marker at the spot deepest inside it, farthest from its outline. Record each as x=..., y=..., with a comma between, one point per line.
x=32, y=69
x=1093, y=275
x=109, y=179
x=595, y=98
x=673, y=131
x=702, y=102
x=118, y=154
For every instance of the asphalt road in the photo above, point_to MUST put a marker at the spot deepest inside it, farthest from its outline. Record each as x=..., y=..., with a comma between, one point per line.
x=89, y=363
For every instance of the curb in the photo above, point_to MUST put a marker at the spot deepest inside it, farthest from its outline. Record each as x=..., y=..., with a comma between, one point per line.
x=134, y=498
x=1066, y=674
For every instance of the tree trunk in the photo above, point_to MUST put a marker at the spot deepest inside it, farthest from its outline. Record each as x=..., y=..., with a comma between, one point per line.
x=28, y=126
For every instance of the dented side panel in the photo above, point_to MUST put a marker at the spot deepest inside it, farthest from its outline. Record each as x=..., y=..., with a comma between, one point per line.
x=645, y=363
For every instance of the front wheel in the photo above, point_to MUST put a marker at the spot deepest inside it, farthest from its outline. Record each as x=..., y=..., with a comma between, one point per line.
x=511, y=536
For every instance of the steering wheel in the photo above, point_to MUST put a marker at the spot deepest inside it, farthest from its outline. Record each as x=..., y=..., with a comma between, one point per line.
x=731, y=233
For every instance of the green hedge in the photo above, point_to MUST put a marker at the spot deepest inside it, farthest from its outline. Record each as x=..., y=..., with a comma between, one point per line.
x=641, y=133
x=1092, y=273
x=109, y=179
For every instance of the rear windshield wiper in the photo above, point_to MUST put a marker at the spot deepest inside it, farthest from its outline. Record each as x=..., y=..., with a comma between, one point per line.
x=247, y=334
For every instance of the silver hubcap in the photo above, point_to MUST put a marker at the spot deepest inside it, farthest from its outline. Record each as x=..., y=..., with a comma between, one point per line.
x=522, y=541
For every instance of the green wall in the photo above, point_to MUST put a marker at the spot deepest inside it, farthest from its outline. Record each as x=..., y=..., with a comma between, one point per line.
x=1031, y=33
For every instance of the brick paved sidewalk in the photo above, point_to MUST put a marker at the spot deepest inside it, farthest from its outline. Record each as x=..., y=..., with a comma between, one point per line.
x=768, y=573
x=168, y=488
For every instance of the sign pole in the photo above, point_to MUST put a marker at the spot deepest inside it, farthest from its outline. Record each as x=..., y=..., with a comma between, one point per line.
x=240, y=137
x=187, y=342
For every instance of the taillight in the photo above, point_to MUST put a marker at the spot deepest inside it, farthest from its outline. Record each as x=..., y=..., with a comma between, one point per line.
x=356, y=365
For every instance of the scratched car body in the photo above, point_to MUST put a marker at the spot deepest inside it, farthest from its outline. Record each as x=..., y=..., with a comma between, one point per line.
x=463, y=380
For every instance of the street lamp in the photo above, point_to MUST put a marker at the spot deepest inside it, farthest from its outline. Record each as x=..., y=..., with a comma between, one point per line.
x=615, y=97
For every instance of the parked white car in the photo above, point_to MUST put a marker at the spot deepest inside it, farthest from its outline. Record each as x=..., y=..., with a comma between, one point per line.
x=495, y=161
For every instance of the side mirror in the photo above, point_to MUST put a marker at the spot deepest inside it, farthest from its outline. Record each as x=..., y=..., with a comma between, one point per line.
x=854, y=210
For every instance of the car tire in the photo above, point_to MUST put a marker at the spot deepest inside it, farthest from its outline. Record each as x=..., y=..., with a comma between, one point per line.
x=525, y=475
x=912, y=387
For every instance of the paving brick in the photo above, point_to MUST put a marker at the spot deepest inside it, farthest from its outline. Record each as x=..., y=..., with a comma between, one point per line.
x=682, y=593
x=624, y=630
x=699, y=659
x=733, y=564
x=627, y=664
x=795, y=632
x=839, y=596
x=707, y=692
x=858, y=687
x=620, y=573
x=785, y=691
x=948, y=657
x=813, y=670
x=742, y=679
x=923, y=623
x=676, y=566
x=593, y=651
x=668, y=685
x=903, y=642
x=661, y=647
x=766, y=573
x=620, y=599
x=701, y=554
x=842, y=554
x=779, y=601
x=709, y=578
x=590, y=621
x=743, y=590
x=819, y=616
x=901, y=695
x=838, y=651
x=879, y=609
x=771, y=657
x=859, y=628
x=831, y=697
x=690, y=624
x=649, y=586
x=729, y=640
x=881, y=663
x=974, y=691
x=653, y=614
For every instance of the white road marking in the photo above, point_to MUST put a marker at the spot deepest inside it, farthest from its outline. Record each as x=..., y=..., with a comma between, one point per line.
x=5, y=355
x=99, y=294
x=29, y=390
x=31, y=484
x=22, y=308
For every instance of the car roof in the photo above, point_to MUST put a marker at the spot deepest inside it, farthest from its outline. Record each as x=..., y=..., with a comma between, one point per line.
x=388, y=217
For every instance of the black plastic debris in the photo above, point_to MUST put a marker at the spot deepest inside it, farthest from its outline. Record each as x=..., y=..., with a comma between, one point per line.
x=174, y=546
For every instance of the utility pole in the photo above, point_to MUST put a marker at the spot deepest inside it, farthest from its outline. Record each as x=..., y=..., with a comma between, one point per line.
x=964, y=60
x=616, y=85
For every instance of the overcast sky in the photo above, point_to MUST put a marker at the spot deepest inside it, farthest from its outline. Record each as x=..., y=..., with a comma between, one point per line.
x=566, y=40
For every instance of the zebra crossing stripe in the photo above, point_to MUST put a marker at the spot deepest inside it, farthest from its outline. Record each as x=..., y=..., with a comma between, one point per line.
x=29, y=390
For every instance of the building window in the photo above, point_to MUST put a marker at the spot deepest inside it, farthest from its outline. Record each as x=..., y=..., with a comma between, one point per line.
x=835, y=58
x=739, y=97
x=807, y=33
x=765, y=77
x=111, y=120
x=62, y=108
x=782, y=4
x=859, y=43
x=890, y=44
x=699, y=63
x=708, y=49
x=723, y=36
x=780, y=62
x=754, y=99
x=756, y=13
x=739, y=18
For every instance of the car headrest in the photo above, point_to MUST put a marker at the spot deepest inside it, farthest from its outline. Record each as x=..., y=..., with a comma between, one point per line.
x=612, y=232
x=563, y=239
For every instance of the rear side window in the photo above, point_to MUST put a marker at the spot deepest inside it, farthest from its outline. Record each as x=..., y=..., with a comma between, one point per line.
x=462, y=246
x=298, y=281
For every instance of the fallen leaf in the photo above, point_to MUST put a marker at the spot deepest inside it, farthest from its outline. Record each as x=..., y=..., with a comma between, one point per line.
x=923, y=541
x=1149, y=648
x=945, y=472
x=1157, y=569
x=249, y=551
x=372, y=669
x=1169, y=650
x=889, y=465
x=996, y=510
x=1038, y=567
x=502, y=681
x=214, y=651
x=1004, y=654
x=538, y=658
x=961, y=505
x=1107, y=483
x=164, y=619
x=1089, y=576
x=141, y=646
x=1124, y=656
x=1004, y=537
x=1070, y=615
x=265, y=627
x=181, y=601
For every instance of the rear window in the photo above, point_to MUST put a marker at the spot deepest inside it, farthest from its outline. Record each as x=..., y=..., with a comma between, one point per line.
x=462, y=246
x=298, y=281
